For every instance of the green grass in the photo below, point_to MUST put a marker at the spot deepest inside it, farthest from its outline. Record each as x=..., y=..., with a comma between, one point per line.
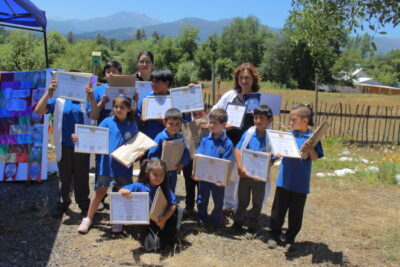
x=390, y=245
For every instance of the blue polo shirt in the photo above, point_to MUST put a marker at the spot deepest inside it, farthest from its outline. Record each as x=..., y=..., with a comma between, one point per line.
x=140, y=187
x=72, y=114
x=155, y=152
x=150, y=127
x=294, y=174
x=99, y=92
x=256, y=143
x=119, y=133
x=221, y=147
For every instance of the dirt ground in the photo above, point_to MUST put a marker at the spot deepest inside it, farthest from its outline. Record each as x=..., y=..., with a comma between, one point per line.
x=345, y=224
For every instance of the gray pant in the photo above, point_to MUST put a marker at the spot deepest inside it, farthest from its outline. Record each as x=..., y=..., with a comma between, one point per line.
x=74, y=166
x=256, y=189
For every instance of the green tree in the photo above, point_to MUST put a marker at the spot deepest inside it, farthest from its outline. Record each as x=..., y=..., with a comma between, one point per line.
x=206, y=55
x=101, y=40
x=167, y=54
x=70, y=37
x=140, y=34
x=57, y=44
x=187, y=73
x=186, y=42
x=224, y=68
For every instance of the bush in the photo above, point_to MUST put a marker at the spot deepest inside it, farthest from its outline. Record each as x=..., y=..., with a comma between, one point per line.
x=187, y=73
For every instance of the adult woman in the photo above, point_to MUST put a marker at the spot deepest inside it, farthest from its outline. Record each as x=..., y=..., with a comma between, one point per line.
x=145, y=62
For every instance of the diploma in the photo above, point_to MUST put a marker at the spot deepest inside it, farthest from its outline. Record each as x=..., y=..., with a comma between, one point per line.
x=72, y=85
x=235, y=114
x=172, y=152
x=187, y=99
x=113, y=92
x=154, y=107
x=193, y=133
x=315, y=138
x=256, y=163
x=129, y=211
x=283, y=143
x=210, y=169
x=91, y=139
x=143, y=88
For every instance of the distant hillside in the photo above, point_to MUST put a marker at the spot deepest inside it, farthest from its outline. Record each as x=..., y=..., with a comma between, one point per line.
x=385, y=45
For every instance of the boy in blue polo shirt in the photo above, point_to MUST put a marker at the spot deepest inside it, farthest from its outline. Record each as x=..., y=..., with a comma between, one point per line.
x=217, y=145
x=255, y=138
x=173, y=123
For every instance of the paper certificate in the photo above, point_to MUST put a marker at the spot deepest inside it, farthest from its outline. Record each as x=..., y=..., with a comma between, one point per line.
x=315, y=138
x=192, y=133
x=235, y=114
x=91, y=139
x=72, y=85
x=113, y=92
x=256, y=163
x=210, y=169
x=172, y=152
x=154, y=107
x=187, y=99
x=143, y=88
x=129, y=211
x=283, y=143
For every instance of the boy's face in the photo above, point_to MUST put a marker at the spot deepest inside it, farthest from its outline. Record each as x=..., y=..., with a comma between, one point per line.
x=215, y=126
x=173, y=126
x=159, y=87
x=261, y=122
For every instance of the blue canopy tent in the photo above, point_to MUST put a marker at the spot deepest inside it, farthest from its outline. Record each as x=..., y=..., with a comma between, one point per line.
x=23, y=14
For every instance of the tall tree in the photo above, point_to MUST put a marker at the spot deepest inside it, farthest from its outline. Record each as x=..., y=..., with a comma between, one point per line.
x=140, y=35
x=70, y=37
x=187, y=42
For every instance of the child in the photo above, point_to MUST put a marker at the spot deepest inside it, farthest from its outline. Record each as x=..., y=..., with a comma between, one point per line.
x=122, y=127
x=152, y=175
x=293, y=182
x=217, y=145
x=173, y=123
x=255, y=139
x=160, y=81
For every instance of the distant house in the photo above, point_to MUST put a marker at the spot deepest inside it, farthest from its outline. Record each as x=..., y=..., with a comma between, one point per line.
x=366, y=84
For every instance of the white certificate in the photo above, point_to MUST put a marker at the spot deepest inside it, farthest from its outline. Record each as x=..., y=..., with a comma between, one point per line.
x=91, y=139
x=235, y=114
x=187, y=99
x=210, y=169
x=72, y=85
x=143, y=88
x=113, y=92
x=129, y=211
x=256, y=163
x=154, y=107
x=283, y=143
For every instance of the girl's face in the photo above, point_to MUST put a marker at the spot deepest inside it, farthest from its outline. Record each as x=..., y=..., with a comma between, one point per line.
x=111, y=71
x=297, y=122
x=145, y=65
x=156, y=176
x=159, y=87
x=120, y=110
x=245, y=80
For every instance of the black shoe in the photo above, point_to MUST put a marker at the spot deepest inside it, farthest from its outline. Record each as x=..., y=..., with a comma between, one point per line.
x=290, y=246
x=252, y=230
x=236, y=228
x=58, y=212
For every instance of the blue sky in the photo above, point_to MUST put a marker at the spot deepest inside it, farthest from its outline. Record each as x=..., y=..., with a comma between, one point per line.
x=271, y=13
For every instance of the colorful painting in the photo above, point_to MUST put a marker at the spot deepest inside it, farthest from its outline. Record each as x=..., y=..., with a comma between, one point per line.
x=23, y=133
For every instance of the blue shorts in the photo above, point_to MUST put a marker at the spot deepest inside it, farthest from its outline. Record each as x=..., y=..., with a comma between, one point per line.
x=105, y=181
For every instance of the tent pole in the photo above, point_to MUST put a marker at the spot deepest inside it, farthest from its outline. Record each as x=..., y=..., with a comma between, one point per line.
x=45, y=48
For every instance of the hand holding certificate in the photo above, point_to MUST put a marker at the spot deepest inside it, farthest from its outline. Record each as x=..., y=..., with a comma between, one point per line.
x=129, y=211
x=72, y=85
x=284, y=144
x=235, y=114
x=91, y=139
x=210, y=169
x=187, y=99
x=154, y=107
x=256, y=164
x=315, y=138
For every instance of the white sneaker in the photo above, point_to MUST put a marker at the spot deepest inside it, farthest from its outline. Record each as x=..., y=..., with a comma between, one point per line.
x=117, y=228
x=84, y=226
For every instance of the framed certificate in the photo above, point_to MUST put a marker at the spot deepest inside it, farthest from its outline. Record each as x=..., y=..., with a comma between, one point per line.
x=129, y=211
x=172, y=152
x=143, y=88
x=187, y=99
x=283, y=143
x=210, y=169
x=235, y=114
x=154, y=107
x=192, y=133
x=113, y=92
x=72, y=85
x=91, y=139
x=256, y=163
x=252, y=100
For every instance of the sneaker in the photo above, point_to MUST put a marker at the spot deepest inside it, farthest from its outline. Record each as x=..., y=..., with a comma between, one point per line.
x=84, y=226
x=272, y=243
x=117, y=228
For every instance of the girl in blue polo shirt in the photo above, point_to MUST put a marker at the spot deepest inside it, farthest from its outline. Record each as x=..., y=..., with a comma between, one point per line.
x=162, y=232
x=293, y=182
x=122, y=127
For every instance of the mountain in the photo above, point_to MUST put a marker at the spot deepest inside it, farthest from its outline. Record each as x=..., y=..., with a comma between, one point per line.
x=384, y=44
x=116, y=21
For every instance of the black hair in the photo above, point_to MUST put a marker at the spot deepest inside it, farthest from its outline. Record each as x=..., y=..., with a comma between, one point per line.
x=219, y=115
x=164, y=75
x=173, y=114
x=305, y=111
x=110, y=64
x=146, y=53
x=263, y=110
x=147, y=166
x=127, y=102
